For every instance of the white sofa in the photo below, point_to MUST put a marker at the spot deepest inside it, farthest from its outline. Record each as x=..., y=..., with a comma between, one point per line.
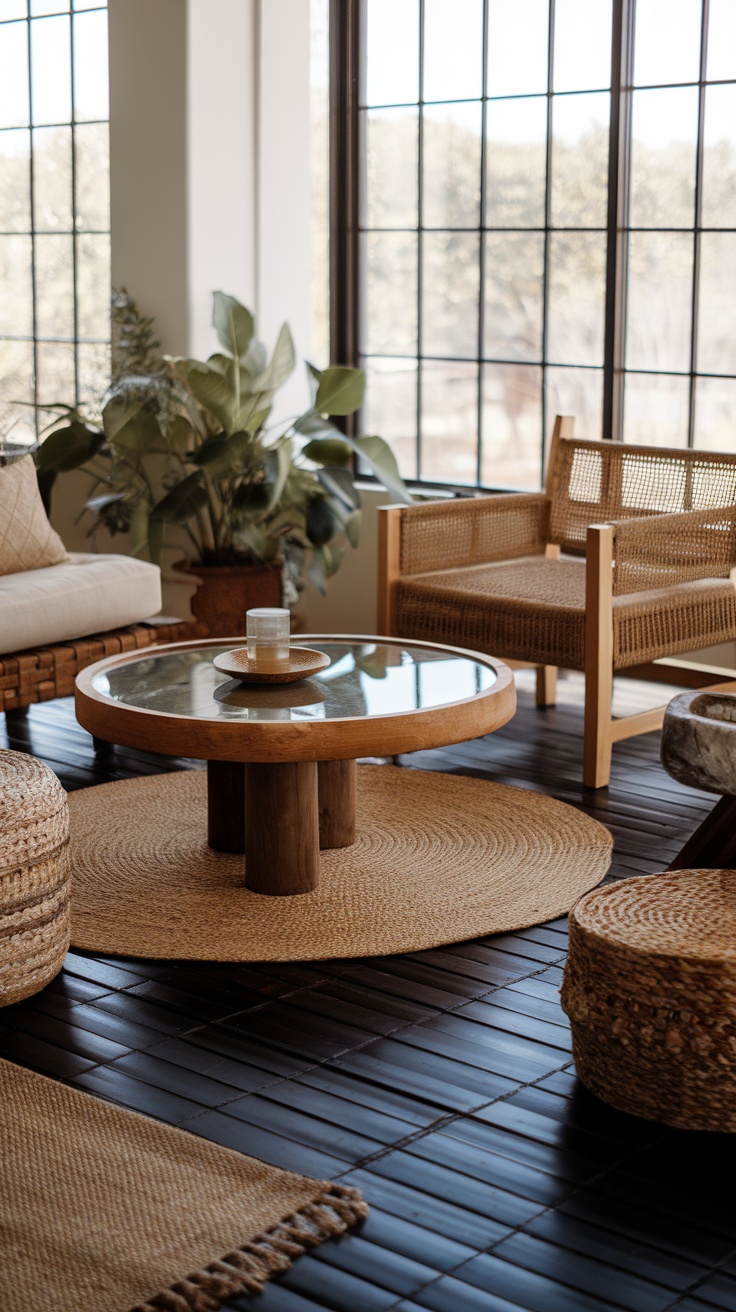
x=82, y=595
x=61, y=611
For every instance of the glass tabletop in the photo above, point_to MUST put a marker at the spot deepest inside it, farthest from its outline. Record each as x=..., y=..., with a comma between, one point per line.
x=363, y=679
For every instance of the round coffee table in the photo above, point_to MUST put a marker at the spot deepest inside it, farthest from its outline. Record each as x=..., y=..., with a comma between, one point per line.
x=281, y=761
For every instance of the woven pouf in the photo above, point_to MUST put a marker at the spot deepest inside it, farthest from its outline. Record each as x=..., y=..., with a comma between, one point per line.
x=650, y=989
x=34, y=876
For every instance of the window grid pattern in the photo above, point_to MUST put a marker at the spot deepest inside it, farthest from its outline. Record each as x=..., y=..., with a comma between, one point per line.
x=458, y=405
x=677, y=384
x=54, y=215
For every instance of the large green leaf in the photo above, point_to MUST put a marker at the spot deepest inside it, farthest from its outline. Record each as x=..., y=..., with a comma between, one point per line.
x=328, y=451
x=180, y=433
x=321, y=523
x=255, y=358
x=118, y=412
x=278, y=467
x=281, y=364
x=220, y=363
x=234, y=324
x=379, y=456
x=252, y=498
x=257, y=418
x=214, y=391
x=139, y=435
x=339, y=483
x=222, y=455
x=313, y=376
x=252, y=412
x=182, y=502
x=68, y=448
x=340, y=391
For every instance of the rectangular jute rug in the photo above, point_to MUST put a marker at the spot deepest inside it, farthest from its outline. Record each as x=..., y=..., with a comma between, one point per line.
x=103, y=1210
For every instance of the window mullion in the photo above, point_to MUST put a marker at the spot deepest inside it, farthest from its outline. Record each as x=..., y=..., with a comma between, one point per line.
x=619, y=166
x=698, y=220
x=547, y=220
x=75, y=271
x=420, y=237
x=482, y=248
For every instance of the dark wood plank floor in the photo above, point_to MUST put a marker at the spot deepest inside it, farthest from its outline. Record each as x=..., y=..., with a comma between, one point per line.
x=441, y=1083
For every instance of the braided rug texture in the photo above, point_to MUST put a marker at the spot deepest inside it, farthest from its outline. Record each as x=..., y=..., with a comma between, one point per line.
x=104, y=1210
x=650, y=989
x=34, y=876
x=438, y=858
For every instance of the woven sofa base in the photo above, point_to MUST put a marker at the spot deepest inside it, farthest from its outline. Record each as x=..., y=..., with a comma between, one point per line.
x=533, y=609
x=39, y=675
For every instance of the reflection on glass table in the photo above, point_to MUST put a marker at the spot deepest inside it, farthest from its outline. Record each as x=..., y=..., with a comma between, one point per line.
x=364, y=679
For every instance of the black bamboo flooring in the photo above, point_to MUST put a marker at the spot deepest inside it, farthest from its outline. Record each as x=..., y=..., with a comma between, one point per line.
x=440, y=1083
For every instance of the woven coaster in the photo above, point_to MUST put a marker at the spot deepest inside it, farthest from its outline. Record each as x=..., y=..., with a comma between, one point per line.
x=438, y=858
x=103, y=1210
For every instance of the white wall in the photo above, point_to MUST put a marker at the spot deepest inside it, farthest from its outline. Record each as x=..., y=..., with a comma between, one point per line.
x=284, y=196
x=221, y=127
x=149, y=166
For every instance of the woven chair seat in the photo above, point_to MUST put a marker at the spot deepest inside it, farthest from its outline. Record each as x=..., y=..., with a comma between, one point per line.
x=533, y=609
x=34, y=876
x=650, y=989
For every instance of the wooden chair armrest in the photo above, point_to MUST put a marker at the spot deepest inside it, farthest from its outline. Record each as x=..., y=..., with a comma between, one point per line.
x=659, y=551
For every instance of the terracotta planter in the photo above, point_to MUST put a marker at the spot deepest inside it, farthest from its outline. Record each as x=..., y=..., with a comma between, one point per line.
x=226, y=592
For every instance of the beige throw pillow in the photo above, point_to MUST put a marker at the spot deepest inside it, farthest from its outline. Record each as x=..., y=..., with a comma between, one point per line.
x=27, y=540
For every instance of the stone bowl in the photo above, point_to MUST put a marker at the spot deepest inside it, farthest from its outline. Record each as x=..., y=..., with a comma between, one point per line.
x=699, y=740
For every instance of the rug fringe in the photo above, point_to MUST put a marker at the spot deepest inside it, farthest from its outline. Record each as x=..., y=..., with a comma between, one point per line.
x=247, y=1269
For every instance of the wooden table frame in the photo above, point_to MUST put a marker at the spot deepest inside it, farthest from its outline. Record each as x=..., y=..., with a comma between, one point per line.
x=281, y=790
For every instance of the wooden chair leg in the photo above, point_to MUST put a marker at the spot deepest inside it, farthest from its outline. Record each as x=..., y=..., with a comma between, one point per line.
x=598, y=738
x=546, y=685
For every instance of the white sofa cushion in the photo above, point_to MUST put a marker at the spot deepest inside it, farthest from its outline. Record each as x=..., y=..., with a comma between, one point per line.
x=84, y=594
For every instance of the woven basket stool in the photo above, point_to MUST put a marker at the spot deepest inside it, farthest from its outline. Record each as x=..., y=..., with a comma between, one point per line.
x=650, y=989
x=34, y=876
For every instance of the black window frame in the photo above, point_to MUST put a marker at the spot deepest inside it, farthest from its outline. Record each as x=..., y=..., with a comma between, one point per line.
x=75, y=232
x=347, y=43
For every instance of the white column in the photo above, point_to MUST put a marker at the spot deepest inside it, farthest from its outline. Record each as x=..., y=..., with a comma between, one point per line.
x=221, y=135
x=283, y=214
x=148, y=160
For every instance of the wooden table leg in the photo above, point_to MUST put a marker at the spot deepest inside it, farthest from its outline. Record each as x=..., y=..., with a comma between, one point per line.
x=281, y=828
x=226, y=806
x=337, y=789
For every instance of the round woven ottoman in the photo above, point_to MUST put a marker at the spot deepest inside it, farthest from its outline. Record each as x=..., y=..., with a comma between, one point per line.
x=650, y=989
x=34, y=876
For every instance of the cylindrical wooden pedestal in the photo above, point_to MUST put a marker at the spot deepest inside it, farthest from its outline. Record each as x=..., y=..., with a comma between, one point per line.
x=281, y=828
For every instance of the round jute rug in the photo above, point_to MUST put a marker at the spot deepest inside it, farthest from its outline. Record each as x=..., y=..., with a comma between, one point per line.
x=438, y=858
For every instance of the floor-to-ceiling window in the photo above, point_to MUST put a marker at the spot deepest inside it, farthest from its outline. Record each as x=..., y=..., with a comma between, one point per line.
x=680, y=243
x=545, y=222
x=54, y=209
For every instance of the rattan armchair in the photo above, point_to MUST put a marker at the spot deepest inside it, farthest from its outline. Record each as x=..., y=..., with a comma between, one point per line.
x=625, y=558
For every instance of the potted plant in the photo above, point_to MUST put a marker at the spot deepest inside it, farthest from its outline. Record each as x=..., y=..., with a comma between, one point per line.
x=187, y=443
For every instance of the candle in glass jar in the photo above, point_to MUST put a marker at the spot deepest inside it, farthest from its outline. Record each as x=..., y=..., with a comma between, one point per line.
x=267, y=633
